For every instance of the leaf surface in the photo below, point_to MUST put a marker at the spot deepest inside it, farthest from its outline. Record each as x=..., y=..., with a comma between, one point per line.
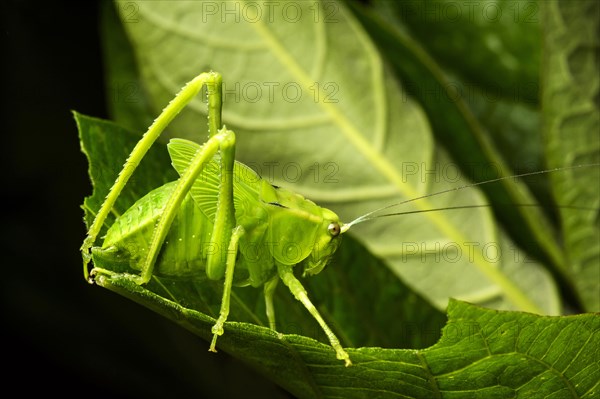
x=482, y=354
x=348, y=138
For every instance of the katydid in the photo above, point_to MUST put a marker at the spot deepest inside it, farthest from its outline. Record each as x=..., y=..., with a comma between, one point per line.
x=250, y=224
x=220, y=219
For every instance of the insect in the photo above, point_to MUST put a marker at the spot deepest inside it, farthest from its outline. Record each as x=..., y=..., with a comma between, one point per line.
x=219, y=219
x=250, y=224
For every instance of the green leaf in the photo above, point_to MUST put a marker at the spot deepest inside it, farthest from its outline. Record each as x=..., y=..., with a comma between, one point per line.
x=571, y=123
x=492, y=43
x=486, y=353
x=456, y=127
x=482, y=354
x=482, y=103
x=351, y=140
x=489, y=52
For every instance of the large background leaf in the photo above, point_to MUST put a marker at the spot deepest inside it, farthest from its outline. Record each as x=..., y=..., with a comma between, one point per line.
x=509, y=121
x=369, y=135
x=470, y=118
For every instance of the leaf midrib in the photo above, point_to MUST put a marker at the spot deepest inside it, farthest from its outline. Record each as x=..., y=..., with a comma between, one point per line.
x=375, y=156
x=384, y=166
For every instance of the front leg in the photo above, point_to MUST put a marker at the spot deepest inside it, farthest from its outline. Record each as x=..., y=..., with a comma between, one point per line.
x=287, y=275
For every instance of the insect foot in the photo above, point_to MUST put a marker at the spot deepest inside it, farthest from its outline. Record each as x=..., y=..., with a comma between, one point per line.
x=343, y=355
x=217, y=330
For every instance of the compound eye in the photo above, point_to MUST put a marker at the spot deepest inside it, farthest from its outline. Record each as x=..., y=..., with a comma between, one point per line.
x=334, y=229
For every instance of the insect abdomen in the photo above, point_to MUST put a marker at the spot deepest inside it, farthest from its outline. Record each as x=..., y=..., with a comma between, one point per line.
x=184, y=250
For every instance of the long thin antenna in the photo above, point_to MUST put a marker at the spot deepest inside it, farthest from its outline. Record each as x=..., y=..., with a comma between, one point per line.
x=366, y=216
x=587, y=208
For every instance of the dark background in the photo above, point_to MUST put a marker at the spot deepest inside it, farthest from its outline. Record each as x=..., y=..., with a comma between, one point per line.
x=61, y=335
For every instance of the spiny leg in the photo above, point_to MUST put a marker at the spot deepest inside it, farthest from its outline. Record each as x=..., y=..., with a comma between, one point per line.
x=269, y=291
x=232, y=249
x=287, y=275
x=213, y=81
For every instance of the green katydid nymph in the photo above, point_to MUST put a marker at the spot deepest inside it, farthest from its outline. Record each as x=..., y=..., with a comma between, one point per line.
x=220, y=220
x=249, y=223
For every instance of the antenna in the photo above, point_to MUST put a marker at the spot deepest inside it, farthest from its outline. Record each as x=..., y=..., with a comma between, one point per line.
x=367, y=216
